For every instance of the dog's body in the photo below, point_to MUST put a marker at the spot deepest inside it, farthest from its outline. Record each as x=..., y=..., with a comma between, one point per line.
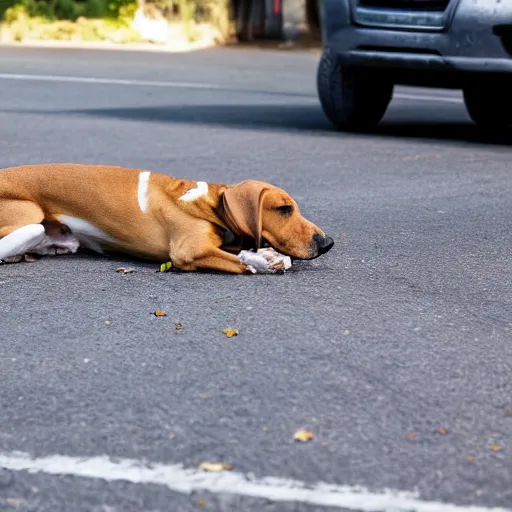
x=53, y=208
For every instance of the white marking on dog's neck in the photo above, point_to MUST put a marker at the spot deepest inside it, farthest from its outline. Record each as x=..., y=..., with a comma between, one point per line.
x=200, y=190
x=142, y=192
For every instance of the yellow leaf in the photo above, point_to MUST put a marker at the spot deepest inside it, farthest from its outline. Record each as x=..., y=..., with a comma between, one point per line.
x=165, y=267
x=442, y=431
x=160, y=312
x=215, y=466
x=201, y=503
x=265, y=429
x=495, y=447
x=230, y=332
x=469, y=458
x=411, y=436
x=303, y=435
x=323, y=443
x=203, y=395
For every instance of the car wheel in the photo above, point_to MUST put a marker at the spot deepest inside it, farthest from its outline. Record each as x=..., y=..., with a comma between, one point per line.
x=489, y=106
x=352, y=99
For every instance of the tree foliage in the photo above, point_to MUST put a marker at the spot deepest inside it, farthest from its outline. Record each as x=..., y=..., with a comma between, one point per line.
x=214, y=11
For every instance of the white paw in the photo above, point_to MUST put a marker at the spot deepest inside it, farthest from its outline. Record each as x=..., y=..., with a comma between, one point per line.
x=256, y=263
x=265, y=261
x=56, y=245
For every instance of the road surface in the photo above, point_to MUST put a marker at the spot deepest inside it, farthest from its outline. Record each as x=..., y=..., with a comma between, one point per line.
x=394, y=349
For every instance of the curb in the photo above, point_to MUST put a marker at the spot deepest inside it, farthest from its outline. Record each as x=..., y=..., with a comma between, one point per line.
x=156, y=48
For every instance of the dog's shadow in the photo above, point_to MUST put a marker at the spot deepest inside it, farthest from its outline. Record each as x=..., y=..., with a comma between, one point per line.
x=132, y=263
x=119, y=260
x=128, y=262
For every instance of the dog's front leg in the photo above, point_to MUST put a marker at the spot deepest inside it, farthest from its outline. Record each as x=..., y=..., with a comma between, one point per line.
x=203, y=252
x=211, y=258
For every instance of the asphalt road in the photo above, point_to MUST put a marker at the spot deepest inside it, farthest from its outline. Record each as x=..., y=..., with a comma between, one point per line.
x=395, y=348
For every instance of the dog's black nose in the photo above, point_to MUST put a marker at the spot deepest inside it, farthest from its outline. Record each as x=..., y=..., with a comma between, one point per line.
x=323, y=242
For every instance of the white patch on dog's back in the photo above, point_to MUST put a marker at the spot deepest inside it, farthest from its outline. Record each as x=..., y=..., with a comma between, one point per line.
x=87, y=234
x=142, y=192
x=200, y=190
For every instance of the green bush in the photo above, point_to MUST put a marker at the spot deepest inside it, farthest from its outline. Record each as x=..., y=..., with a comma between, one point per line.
x=26, y=14
x=71, y=9
x=94, y=9
x=114, y=8
x=65, y=9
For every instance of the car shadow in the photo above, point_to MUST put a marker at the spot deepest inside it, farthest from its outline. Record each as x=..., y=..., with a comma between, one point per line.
x=448, y=124
x=416, y=121
x=278, y=117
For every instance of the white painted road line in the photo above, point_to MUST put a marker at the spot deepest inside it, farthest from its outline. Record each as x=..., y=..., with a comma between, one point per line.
x=183, y=85
x=433, y=98
x=186, y=481
x=107, y=81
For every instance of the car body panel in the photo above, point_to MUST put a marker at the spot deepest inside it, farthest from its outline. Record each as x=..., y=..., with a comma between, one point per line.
x=473, y=36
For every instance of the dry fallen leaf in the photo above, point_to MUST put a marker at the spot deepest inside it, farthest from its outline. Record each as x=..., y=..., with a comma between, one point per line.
x=200, y=503
x=411, y=436
x=160, y=312
x=265, y=429
x=179, y=326
x=11, y=501
x=303, y=435
x=469, y=458
x=324, y=443
x=495, y=447
x=203, y=395
x=442, y=431
x=215, y=466
x=230, y=332
x=123, y=270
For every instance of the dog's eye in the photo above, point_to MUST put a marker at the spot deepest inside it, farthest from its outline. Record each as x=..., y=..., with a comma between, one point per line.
x=285, y=209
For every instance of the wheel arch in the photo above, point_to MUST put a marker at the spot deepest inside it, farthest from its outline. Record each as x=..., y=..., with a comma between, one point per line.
x=332, y=15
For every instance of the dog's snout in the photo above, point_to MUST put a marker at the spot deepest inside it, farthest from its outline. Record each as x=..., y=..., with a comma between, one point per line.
x=323, y=242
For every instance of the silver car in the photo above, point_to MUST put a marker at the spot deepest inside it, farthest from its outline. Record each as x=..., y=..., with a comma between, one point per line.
x=371, y=45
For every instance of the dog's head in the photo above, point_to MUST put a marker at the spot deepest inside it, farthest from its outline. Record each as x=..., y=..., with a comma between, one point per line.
x=269, y=215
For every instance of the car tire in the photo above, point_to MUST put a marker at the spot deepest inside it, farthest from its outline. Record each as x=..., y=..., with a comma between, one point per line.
x=352, y=99
x=489, y=106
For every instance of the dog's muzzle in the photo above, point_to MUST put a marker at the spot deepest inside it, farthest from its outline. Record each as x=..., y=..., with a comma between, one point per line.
x=323, y=243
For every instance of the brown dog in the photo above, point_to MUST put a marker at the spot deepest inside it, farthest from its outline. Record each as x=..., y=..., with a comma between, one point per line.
x=54, y=208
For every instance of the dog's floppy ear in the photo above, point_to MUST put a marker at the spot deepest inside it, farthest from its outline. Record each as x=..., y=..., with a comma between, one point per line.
x=243, y=208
